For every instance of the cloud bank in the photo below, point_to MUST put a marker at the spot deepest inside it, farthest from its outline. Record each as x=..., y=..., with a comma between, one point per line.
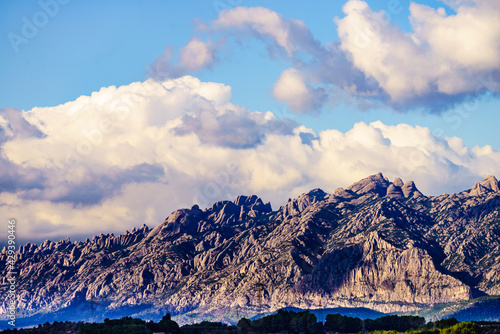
x=131, y=155
x=444, y=55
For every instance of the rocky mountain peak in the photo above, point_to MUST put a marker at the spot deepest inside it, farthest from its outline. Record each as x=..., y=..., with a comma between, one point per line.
x=221, y=213
x=490, y=182
x=380, y=185
x=410, y=190
x=341, y=192
x=315, y=195
x=389, y=255
x=296, y=206
x=398, y=182
x=478, y=189
x=253, y=202
x=394, y=191
x=182, y=220
x=246, y=200
x=372, y=184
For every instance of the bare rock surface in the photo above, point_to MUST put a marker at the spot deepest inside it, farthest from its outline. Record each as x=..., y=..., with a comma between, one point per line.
x=491, y=183
x=372, y=184
x=394, y=191
x=377, y=244
x=410, y=190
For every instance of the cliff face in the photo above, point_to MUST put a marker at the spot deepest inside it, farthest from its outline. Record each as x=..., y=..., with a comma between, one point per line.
x=377, y=244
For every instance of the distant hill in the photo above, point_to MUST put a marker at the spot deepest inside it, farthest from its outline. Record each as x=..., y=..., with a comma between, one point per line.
x=479, y=309
x=354, y=312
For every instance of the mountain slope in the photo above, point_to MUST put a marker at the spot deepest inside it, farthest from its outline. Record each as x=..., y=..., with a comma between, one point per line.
x=377, y=244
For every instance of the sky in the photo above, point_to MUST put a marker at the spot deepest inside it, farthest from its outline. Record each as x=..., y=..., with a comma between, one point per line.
x=116, y=113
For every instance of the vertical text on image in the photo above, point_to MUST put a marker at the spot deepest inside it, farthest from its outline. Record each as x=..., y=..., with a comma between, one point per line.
x=11, y=273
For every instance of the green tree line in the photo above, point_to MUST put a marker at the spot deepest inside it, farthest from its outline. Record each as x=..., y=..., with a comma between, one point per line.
x=282, y=321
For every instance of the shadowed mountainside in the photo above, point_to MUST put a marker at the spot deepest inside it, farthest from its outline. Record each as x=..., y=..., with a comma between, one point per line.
x=377, y=244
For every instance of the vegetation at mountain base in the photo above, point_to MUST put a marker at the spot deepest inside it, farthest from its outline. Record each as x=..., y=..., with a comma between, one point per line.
x=208, y=327
x=282, y=321
x=57, y=327
x=344, y=324
x=478, y=309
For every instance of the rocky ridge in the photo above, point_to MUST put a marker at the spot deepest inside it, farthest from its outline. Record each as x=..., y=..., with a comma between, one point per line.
x=376, y=244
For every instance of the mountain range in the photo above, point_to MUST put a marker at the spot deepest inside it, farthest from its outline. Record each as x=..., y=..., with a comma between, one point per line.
x=377, y=244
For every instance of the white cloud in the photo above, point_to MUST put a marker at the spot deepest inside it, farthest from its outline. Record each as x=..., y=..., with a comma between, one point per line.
x=280, y=34
x=74, y=173
x=446, y=58
x=194, y=56
x=292, y=35
x=472, y=34
x=445, y=54
x=292, y=89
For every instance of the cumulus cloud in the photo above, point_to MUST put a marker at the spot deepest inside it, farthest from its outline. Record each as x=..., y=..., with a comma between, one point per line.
x=290, y=34
x=13, y=124
x=473, y=34
x=290, y=38
x=287, y=37
x=296, y=93
x=194, y=56
x=446, y=58
x=131, y=155
x=14, y=177
x=235, y=129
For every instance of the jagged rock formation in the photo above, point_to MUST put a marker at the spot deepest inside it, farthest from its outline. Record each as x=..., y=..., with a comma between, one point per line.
x=377, y=244
x=489, y=184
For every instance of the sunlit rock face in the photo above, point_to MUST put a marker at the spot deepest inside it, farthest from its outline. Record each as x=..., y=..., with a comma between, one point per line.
x=377, y=244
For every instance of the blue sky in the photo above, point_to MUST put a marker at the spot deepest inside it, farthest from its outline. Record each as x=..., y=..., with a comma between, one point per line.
x=93, y=44
x=425, y=74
